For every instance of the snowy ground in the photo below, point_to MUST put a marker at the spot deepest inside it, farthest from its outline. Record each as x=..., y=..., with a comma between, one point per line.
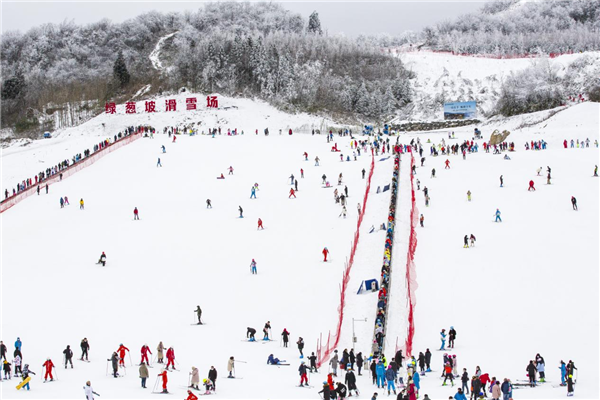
x=530, y=285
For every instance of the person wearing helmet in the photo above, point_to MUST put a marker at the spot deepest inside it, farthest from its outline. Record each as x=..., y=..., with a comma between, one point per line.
x=122, y=349
x=208, y=386
x=191, y=396
x=89, y=392
x=25, y=375
x=68, y=356
x=303, y=369
x=163, y=374
x=145, y=350
x=102, y=260
x=326, y=392
x=48, y=365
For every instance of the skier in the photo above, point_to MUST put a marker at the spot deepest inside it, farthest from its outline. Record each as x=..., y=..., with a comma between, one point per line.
x=569, y=384
x=62, y=203
x=452, y=331
x=67, y=201
x=163, y=149
x=209, y=386
x=539, y=170
x=563, y=373
x=81, y=204
x=27, y=371
x=285, y=335
x=253, y=192
x=531, y=187
x=443, y=336
x=302, y=369
x=68, y=356
x=363, y=173
x=144, y=374
x=313, y=362
x=326, y=392
x=198, y=312
x=250, y=332
x=164, y=373
x=145, y=350
x=272, y=360
x=540, y=364
x=195, y=378
x=230, y=367
x=574, y=202
x=212, y=376
x=48, y=365
x=266, y=330
x=158, y=164
x=501, y=181
x=448, y=374
x=208, y=203
x=301, y=173
x=170, y=358
x=334, y=362
x=472, y=239
x=465, y=246
x=498, y=215
x=135, y=213
x=380, y=371
x=230, y=170
x=421, y=220
x=241, y=210
x=253, y=267
x=6, y=368
x=447, y=162
x=531, y=371
x=433, y=172
x=296, y=185
x=260, y=224
x=300, y=344
x=292, y=193
x=350, y=380
x=428, y=360
x=159, y=352
x=121, y=350
x=595, y=170
x=102, y=260
x=316, y=161
x=305, y=156
x=292, y=179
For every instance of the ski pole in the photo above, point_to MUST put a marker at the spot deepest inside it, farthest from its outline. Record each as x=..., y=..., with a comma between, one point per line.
x=106, y=367
x=130, y=362
x=155, y=383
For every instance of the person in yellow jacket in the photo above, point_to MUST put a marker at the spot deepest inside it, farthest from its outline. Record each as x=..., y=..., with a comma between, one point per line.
x=81, y=204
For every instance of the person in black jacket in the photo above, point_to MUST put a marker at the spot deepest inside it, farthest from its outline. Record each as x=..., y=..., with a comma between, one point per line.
x=399, y=357
x=3, y=350
x=300, y=344
x=286, y=337
x=85, y=346
x=531, y=371
x=115, y=363
x=421, y=360
x=352, y=358
x=68, y=356
x=465, y=381
x=212, y=375
x=325, y=391
x=350, y=380
x=313, y=362
x=452, y=335
x=475, y=386
x=250, y=332
x=373, y=368
x=428, y=360
x=341, y=390
x=359, y=362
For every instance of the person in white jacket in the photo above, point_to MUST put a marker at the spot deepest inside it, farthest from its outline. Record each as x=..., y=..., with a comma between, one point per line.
x=89, y=392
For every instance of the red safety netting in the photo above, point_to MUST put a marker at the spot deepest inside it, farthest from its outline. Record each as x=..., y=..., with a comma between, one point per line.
x=323, y=354
x=411, y=273
x=78, y=166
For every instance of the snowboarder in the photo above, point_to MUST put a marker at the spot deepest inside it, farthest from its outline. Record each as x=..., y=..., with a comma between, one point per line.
x=136, y=213
x=144, y=374
x=498, y=219
x=163, y=374
x=241, y=210
x=145, y=350
x=102, y=260
x=574, y=202
x=68, y=356
x=48, y=365
x=198, y=312
x=325, y=254
x=27, y=371
x=253, y=267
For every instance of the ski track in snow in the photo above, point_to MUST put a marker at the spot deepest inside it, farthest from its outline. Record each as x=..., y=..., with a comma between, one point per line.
x=155, y=55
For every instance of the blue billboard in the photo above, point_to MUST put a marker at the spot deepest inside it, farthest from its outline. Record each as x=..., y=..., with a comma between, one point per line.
x=460, y=110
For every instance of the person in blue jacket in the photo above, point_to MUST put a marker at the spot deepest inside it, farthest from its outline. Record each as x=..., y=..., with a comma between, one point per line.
x=253, y=192
x=380, y=371
x=390, y=376
x=417, y=380
x=443, y=339
x=506, y=389
x=563, y=373
x=18, y=344
x=274, y=360
x=498, y=219
x=460, y=395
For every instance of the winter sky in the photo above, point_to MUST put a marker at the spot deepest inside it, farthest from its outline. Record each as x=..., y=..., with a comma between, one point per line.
x=349, y=17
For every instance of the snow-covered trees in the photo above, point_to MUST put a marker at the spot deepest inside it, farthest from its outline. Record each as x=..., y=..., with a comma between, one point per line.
x=314, y=24
x=120, y=72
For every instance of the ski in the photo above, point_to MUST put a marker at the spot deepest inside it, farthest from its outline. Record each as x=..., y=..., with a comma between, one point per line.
x=277, y=365
x=305, y=386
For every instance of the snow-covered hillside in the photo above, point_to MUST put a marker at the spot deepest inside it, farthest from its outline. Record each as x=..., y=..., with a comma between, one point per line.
x=442, y=77
x=530, y=285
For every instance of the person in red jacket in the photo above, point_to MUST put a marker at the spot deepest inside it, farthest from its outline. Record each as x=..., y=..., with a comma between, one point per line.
x=292, y=193
x=170, y=358
x=122, y=349
x=565, y=143
x=48, y=365
x=135, y=213
x=325, y=253
x=484, y=379
x=191, y=396
x=531, y=187
x=447, y=164
x=145, y=351
x=260, y=225
x=164, y=381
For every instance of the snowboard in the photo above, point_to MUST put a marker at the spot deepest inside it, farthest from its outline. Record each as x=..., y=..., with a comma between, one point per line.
x=23, y=383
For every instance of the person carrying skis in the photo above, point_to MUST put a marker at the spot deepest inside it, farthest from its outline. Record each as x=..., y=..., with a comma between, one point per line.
x=102, y=260
x=68, y=356
x=144, y=374
x=452, y=331
x=165, y=379
x=145, y=350
x=48, y=365
x=114, y=359
x=121, y=350
x=285, y=335
x=26, y=372
x=136, y=213
x=170, y=358
x=260, y=224
x=300, y=344
x=443, y=332
x=325, y=254
x=302, y=370
x=230, y=367
x=198, y=312
x=159, y=352
x=253, y=267
x=250, y=332
x=574, y=202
